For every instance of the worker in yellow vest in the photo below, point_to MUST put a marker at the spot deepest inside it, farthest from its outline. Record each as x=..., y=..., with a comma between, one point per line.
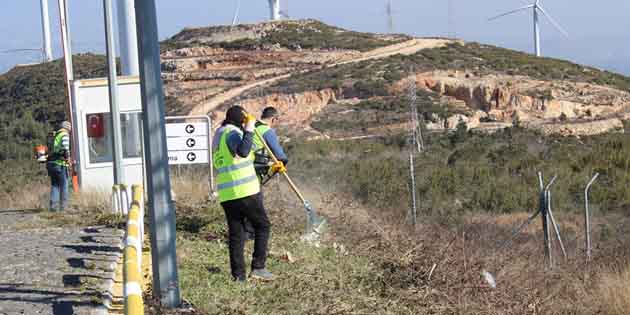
x=57, y=165
x=265, y=128
x=262, y=159
x=239, y=192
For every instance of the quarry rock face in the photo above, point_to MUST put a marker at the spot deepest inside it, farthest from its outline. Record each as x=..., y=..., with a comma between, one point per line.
x=505, y=98
x=295, y=109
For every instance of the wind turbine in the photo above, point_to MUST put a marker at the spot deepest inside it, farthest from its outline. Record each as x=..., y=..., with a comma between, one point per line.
x=390, y=16
x=450, y=19
x=236, y=12
x=274, y=7
x=285, y=13
x=46, y=45
x=536, y=7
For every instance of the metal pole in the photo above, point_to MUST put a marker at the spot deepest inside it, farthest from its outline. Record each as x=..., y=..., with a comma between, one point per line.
x=587, y=219
x=143, y=155
x=69, y=74
x=542, y=207
x=119, y=176
x=46, y=45
x=161, y=208
x=128, y=39
x=413, y=189
x=555, y=225
x=546, y=222
x=210, y=166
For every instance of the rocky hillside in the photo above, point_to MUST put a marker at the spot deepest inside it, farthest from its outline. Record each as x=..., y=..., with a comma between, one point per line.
x=311, y=70
x=483, y=86
x=336, y=83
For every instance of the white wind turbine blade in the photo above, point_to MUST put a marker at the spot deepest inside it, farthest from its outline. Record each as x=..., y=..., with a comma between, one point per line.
x=553, y=22
x=510, y=12
x=236, y=12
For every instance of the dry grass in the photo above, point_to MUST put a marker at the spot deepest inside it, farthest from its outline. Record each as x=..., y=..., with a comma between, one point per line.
x=189, y=185
x=387, y=263
x=34, y=196
x=613, y=291
x=91, y=200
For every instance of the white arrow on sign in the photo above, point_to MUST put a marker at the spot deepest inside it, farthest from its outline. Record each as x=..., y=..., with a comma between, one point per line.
x=187, y=143
x=187, y=157
x=186, y=129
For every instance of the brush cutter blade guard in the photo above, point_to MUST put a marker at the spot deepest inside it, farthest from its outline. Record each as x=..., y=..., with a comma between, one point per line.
x=315, y=224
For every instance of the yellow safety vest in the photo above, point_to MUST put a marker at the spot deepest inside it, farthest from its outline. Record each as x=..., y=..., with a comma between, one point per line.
x=258, y=143
x=58, y=149
x=236, y=177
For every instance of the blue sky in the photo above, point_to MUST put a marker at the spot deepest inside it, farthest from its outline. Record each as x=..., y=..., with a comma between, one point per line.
x=599, y=34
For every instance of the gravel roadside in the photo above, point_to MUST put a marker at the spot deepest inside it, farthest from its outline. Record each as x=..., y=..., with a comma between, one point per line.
x=54, y=270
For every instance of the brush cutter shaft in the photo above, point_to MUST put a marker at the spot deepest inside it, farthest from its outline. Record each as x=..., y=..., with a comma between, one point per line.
x=275, y=159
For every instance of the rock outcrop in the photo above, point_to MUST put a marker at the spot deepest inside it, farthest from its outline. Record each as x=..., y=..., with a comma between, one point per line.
x=296, y=109
x=505, y=98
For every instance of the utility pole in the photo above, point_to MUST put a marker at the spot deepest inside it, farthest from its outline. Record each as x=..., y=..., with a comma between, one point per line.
x=46, y=45
x=69, y=75
x=128, y=42
x=161, y=208
x=119, y=173
x=128, y=39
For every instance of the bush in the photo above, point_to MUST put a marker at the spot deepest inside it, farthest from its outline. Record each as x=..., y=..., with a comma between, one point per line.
x=485, y=173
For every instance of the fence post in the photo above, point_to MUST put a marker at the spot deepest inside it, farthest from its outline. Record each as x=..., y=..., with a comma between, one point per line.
x=587, y=220
x=414, y=213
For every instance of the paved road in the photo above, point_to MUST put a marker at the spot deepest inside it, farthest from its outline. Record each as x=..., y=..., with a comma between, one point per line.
x=52, y=270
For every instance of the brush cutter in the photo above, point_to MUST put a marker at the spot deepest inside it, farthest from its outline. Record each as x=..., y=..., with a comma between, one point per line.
x=315, y=224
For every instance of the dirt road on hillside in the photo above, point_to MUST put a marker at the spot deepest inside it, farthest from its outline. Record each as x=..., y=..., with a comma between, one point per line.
x=406, y=48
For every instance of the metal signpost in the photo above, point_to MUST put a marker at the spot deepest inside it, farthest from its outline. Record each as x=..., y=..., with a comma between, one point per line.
x=161, y=208
x=119, y=176
x=69, y=76
x=189, y=141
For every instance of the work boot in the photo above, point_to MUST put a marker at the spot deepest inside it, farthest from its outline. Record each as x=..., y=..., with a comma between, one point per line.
x=262, y=274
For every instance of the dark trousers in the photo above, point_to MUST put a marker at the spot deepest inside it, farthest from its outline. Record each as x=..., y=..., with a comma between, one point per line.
x=58, y=186
x=247, y=226
x=253, y=210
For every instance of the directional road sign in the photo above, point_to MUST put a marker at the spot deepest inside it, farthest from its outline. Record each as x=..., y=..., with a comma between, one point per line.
x=188, y=143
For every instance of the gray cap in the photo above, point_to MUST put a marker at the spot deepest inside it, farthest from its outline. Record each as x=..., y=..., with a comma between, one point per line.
x=66, y=125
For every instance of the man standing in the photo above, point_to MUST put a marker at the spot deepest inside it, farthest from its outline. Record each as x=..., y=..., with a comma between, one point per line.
x=264, y=127
x=239, y=191
x=262, y=160
x=58, y=165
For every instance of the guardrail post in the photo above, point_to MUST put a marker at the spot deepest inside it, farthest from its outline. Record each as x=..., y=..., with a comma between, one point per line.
x=138, y=197
x=124, y=202
x=116, y=200
x=132, y=267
